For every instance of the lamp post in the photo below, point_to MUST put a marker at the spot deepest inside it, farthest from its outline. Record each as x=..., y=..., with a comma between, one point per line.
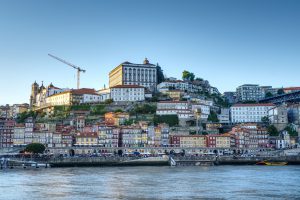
x=197, y=113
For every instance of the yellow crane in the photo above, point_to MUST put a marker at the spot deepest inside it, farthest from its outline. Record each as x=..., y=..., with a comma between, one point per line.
x=70, y=64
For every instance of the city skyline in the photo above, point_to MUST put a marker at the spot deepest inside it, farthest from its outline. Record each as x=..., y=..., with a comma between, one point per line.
x=229, y=43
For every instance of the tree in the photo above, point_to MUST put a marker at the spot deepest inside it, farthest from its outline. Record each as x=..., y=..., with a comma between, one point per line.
x=160, y=74
x=280, y=91
x=268, y=95
x=265, y=120
x=188, y=76
x=172, y=120
x=272, y=130
x=213, y=117
x=108, y=101
x=199, y=79
x=291, y=130
x=35, y=148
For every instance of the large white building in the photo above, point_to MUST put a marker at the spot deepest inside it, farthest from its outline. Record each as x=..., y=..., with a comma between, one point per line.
x=134, y=74
x=249, y=112
x=205, y=110
x=180, y=108
x=123, y=93
x=73, y=97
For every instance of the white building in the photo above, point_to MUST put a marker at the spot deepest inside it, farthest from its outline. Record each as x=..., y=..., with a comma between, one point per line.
x=134, y=74
x=71, y=97
x=179, y=108
x=123, y=93
x=205, y=110
x=249, y=112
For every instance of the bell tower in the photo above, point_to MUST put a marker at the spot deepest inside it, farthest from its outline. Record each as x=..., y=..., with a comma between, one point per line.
x=34, y=92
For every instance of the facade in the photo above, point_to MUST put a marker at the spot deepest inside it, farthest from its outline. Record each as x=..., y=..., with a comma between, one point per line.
x=6, y=132
x=134, y=74
x=116, y=119
x=186, y=141
x=86, y=139
x=249, y=112
x=218, y=141
x=133, y=137
x=224, y=116
x=204, y=108
x=125, y=93
x=278, y=116
x=249, y=92
x=19, y=135
x=73, y=97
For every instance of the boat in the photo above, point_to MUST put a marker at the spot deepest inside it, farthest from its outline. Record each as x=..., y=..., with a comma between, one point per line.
x=269, y=163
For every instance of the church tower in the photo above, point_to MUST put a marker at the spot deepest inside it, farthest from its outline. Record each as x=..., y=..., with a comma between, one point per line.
x=34, y=92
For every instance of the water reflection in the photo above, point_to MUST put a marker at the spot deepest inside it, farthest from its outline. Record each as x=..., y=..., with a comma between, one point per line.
x=218, y=182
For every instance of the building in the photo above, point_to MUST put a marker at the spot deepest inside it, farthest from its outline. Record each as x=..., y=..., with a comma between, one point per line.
x=291, y=89
x=125, y=93
x=86, y=139
x=132, y=136
x=204, y=108
x=294, y=113
x=218, y=141
x=134, y=74
x=249, y=112
x=73, y=97
x=19, y=135
x=188, y=141
x=278, y=116
x=224, y=116
x=283, y=141
x=6, y=132
x=116, y=119
x=249, y=92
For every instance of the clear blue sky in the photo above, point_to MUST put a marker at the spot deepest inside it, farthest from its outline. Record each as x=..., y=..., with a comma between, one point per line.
x=227, y=42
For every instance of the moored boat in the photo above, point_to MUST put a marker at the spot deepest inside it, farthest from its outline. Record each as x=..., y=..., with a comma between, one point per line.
x=269, y=163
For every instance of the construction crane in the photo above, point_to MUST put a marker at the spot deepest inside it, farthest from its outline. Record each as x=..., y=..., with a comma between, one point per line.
x=74, y=66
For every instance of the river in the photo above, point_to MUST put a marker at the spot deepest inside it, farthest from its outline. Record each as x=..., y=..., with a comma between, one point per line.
x=138, y=183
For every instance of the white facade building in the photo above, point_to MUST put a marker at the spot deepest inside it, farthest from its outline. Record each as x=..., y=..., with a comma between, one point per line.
x=123, y=93
x=249, y=112
x=205, y=110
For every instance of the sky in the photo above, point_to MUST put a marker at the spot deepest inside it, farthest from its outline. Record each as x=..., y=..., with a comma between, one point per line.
x=228, y=43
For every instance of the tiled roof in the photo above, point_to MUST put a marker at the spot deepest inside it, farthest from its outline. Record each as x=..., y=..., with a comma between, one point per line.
x=253, y=105
x=127, y=86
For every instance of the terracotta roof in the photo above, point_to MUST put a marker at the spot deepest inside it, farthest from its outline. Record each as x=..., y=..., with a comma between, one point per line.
x=84, y=91
x=87, y=134
x=292, y=88
x=173, y=102
x=254, y=104
x=127, y=86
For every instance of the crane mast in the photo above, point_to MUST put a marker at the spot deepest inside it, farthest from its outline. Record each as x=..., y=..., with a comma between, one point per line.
x=79, y=70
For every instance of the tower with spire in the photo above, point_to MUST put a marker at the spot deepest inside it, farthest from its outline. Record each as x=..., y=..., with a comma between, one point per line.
x=34, y=92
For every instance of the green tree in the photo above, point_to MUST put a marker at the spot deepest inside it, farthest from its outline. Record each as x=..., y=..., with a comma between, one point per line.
x=160, y=74
x=280, y=91
x=265, y=120
x=35, y=148
x=272, y=130
x=172, y=120
x=213, y=117
x=108, y=101
x=291, y=131
x=268, y=95
x=186, y=75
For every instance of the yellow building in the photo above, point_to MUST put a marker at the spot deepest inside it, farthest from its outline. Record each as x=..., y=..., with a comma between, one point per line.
x=193, y=141
x=174, y=94
x=86, y=139
x=223, y=141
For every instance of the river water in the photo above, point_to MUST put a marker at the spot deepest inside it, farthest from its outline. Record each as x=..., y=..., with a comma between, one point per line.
x=138, y=183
